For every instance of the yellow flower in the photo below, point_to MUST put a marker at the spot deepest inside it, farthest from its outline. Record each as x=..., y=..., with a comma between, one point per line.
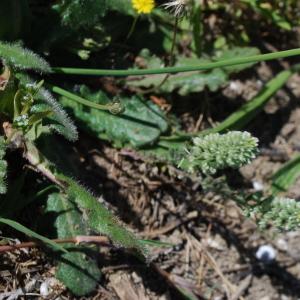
x=143, y=6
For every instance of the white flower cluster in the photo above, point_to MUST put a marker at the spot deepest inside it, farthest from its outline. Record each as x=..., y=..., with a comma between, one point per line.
x=218, y=151
x=283, y=213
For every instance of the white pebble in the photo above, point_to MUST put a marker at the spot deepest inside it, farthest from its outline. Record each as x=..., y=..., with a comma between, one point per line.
x=266, y=253
x=258, y=186
x=282, y=244
x=44, y=289
x=234, y=86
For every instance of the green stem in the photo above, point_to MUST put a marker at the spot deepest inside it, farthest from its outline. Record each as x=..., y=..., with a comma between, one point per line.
x=132, y=27
x=170, y=70
x=171, y=60
x=69, y=95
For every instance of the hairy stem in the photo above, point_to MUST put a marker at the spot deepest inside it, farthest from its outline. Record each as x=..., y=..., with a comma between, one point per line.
x=40, y=163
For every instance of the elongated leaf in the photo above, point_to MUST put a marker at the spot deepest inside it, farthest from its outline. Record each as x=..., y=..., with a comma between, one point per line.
x=141, y=123
x=247, y=112
x=286, y=176
x=64, y=125
x=78, y=271
x=100, y=219
x=21, y=58
x=32, y=234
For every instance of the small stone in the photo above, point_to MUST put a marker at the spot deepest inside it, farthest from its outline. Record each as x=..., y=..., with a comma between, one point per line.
x=282, y=244
x=266, y=254
x=257, y=185
x=44, y=289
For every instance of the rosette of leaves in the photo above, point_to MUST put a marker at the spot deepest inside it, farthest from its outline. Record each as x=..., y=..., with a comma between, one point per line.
x=216, y=151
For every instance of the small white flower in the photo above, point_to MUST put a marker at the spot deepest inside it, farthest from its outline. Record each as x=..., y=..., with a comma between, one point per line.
x=177, y=7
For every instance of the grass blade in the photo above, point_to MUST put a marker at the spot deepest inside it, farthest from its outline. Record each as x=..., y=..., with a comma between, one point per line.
x=247, y=112
x=286, y=176
x=32, y=234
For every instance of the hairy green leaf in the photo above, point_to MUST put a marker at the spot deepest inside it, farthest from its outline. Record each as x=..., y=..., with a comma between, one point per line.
x=140, y=124
x=78, y=271
x=15, y=56
x=64, y=124
x=53, y=116
x=100, y=219
x=32, y=234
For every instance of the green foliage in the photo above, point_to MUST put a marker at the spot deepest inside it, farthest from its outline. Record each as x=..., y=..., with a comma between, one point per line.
x=122, y=6
x=241, y=117
x=270, y=12
x=63, y=124
x=181, y=69
x=81, y=13
x=283, y=213
x=32, y=234
x=140, y=124
x=205, y=54
x=77, y=270
x=216, y=152
x=17, y=57
x=36, y=111
x=191, y=82
x=3, y=166
x=286, y=175
x=100, y=219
